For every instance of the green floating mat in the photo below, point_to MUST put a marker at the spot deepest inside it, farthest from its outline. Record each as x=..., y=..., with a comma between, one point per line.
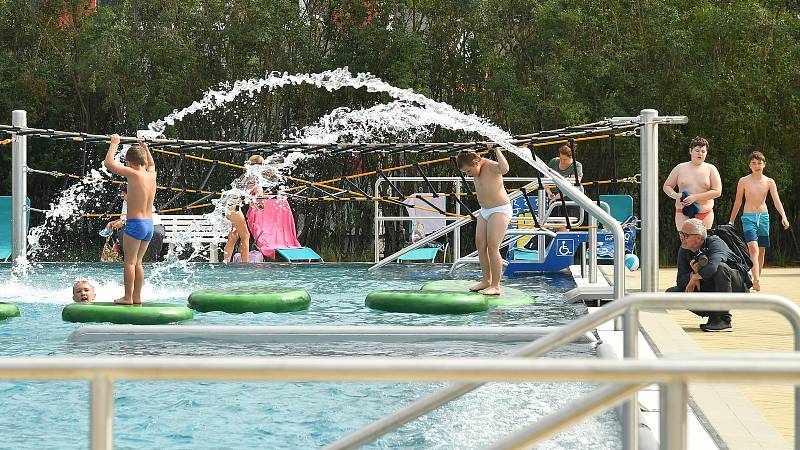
x=144, y=314
x=8, y=310
x=254, y=299
x=509, y=297
x=427, y=302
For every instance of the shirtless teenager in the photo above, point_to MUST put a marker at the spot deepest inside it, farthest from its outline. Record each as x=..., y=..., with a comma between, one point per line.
x=698, y=185
x=493, y=217
x=755, y=218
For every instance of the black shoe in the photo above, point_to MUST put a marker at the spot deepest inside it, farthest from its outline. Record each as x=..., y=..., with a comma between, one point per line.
x=717, y=325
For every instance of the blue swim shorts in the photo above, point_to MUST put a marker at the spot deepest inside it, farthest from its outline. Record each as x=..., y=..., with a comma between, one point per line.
x=141, y=229
x=756, y=227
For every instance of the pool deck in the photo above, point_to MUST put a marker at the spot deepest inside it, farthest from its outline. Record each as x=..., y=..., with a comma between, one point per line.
x=743, y=416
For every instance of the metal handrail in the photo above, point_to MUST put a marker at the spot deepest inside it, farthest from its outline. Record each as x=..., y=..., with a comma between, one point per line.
x=629, y=307
x=627, y=376
x=763, y=369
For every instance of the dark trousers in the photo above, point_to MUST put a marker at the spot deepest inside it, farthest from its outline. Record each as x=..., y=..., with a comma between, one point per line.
x=726, y=279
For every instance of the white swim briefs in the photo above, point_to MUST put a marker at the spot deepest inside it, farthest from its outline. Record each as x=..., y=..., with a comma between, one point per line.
x=502, y=209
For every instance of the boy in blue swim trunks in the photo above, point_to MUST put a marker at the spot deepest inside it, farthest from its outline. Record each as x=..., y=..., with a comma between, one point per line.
x=493, y=217
x=755, y=218
x=140, y=170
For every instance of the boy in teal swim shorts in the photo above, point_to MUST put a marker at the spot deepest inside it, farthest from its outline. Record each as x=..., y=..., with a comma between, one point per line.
x=140, y=170
x=755, y=218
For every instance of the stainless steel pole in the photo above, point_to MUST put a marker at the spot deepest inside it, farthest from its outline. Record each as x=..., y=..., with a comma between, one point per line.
x=584, y=262
x=457, y=231
x=102, y=413
x=541, y=210
x=19, y=188
x=674, y=403
x=377, y=212
x=592, y=249
x=649, y=196
x=630, y=349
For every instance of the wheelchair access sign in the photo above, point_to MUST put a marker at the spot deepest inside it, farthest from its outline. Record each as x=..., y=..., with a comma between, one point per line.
x=565, y=247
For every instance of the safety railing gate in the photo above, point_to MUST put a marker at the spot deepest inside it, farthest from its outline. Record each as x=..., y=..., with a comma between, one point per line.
x=624, y=377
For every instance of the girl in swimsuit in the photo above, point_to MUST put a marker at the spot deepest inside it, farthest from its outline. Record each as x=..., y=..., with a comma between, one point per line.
x=239, y=232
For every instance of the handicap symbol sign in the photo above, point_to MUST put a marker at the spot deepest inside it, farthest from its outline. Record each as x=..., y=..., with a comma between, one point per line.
x=565, y=247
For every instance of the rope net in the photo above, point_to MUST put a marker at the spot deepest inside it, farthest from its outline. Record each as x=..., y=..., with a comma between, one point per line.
x=325, y=190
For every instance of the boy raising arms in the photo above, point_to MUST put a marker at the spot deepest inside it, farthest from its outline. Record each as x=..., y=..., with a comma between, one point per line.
x=494, y=215
x=755, y=218
x=140, y=170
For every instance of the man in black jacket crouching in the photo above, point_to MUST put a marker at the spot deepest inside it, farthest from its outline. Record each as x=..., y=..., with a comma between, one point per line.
x=706, y=264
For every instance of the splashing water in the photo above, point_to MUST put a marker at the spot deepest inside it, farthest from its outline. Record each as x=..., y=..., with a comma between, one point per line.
x=411, y=117
x=64, y=209
x=398, y=119
x=332, y=80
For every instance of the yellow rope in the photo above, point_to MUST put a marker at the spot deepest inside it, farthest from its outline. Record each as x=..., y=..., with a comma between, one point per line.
x=198, y=158
x=162, y=211
x=118, y=182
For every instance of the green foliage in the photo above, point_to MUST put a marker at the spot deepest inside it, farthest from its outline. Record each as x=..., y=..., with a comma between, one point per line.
x=733, y=67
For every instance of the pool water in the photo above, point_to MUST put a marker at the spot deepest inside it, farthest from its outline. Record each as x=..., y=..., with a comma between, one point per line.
x=211, y=415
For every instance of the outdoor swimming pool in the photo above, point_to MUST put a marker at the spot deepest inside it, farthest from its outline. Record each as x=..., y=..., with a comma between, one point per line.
x=45, y=415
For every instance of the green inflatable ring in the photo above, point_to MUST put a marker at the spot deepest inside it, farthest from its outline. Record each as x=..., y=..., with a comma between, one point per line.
x=254, y=299
x=8, y=310
x=509, y=297
x=145, y=314
x=427, y=302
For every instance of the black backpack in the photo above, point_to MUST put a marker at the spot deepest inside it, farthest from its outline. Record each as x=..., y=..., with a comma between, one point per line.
x=730, y=235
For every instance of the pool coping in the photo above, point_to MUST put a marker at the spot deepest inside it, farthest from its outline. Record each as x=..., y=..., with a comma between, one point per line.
x=729, y=416
x=314, y=333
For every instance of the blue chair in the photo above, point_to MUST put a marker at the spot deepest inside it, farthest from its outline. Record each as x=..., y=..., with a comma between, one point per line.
x=424, y=254
x=300, y=254
x=620, y=208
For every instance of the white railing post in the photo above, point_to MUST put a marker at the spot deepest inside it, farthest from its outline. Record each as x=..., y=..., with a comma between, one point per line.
x=674, y=402
x=630, y=349
x=592, y=249
x=377, y=224
x=457, y=230
x=102, y=413
x=19, y=189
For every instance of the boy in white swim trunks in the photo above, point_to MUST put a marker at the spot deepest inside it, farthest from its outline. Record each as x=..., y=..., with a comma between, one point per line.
x=493, y=217
x=755, y=218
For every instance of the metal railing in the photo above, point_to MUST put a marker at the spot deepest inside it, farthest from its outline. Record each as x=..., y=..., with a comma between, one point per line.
x=628, y=376
x=455, y=227
x=629, y=309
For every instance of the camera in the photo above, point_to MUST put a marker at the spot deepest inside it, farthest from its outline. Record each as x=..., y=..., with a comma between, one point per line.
x=701, y=259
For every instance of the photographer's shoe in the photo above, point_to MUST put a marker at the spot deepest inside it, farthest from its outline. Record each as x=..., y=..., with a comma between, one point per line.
x=716, y=325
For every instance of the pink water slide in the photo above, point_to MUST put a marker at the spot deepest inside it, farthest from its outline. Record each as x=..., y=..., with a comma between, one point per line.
x=272, y=226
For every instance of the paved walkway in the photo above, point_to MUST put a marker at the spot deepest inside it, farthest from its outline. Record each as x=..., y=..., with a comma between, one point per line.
x=752, y=331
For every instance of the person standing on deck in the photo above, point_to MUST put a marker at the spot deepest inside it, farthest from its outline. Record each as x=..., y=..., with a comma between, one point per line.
x=698, y=185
